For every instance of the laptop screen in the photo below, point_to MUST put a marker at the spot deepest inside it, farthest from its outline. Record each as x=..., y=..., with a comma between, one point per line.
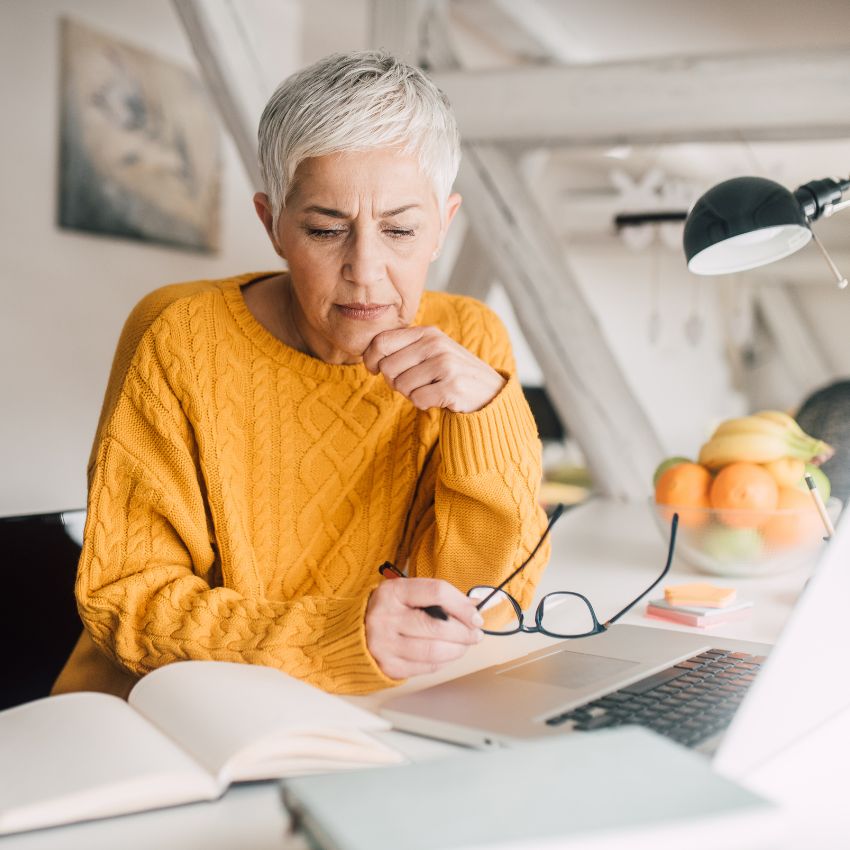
x=803, y=683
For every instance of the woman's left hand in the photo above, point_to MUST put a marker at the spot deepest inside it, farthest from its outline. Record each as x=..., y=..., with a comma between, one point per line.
x=432, y=370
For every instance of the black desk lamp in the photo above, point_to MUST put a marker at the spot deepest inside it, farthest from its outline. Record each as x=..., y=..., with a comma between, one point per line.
x=748, y=222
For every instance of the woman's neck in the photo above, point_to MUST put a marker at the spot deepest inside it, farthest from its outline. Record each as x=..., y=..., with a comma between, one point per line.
x=269, y=301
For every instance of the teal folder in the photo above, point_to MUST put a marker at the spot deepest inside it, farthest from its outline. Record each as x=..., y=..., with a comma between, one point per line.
x=626, y=783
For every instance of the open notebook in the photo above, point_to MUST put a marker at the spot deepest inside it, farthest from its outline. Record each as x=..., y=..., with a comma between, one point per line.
x=187, y=731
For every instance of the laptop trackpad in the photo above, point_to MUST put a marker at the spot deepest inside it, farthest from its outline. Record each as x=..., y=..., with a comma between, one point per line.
x=569, y=669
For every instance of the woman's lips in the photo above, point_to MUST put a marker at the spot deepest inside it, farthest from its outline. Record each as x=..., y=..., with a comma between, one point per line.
x=363, y=312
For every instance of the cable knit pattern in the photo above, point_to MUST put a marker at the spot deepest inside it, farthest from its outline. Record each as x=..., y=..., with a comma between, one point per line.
x=242, y=494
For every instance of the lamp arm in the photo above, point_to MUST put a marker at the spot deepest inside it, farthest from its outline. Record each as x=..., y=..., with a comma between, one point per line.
x=834, y=208
x=839, y=278
x=823, y=198
x=818, y=196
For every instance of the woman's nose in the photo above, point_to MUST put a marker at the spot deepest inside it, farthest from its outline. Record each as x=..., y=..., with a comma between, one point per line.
x=363, y=262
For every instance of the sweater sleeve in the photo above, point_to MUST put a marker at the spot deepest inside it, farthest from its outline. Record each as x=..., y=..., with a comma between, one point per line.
x=149, y=585
x=476, y=516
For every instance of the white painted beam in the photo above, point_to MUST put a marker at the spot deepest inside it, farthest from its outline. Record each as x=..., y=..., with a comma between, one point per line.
x=242, y=61
x=768, y=96
x=488, y=35
x=472, y=273
x=210, y=48
x=546, y=29
x=584, y=381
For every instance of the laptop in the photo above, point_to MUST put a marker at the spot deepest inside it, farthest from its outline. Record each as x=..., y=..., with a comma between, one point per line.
x=720, y=696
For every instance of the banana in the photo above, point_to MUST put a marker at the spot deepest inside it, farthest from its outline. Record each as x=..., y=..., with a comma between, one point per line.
x=754, y=447
x=820, y=451
x=783, y=419
x=764, y=437
x=769, y=425
x=750, y=425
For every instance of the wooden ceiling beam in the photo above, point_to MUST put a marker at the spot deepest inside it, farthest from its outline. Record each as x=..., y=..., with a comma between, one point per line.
x=762, y=96
x=583, y=378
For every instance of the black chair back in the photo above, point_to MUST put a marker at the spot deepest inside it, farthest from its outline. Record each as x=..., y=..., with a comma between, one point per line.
x=40, y=624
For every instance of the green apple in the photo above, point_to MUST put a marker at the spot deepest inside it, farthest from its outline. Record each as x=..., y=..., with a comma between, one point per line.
x=821, y=481
x=669, y=463
x=728, y=545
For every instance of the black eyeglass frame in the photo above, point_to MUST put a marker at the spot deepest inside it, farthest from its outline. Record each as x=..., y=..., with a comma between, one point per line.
x=598, y=627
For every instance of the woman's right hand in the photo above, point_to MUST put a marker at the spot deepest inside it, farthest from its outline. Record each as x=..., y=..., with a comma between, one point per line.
x=404, y=640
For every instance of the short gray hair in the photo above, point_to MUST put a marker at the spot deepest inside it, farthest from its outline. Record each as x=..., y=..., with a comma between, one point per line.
x=354, y=102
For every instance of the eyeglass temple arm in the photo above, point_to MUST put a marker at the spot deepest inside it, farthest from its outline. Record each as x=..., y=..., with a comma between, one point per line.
x=559, y=509
x=672, y=547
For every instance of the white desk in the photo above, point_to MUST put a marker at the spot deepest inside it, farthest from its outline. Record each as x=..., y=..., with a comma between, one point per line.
x=608, y=551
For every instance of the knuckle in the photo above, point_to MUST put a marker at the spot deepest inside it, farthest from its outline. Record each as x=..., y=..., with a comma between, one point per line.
x=446, y=592
x=445, y=360
x=418, y=398
x=427, y=623
x=458, y=651
x=436, y=653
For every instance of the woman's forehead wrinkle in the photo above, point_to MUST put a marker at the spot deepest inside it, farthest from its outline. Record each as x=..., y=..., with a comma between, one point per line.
x=377, y=183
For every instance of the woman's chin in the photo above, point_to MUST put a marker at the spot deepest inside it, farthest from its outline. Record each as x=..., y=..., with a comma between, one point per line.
x=358, y=339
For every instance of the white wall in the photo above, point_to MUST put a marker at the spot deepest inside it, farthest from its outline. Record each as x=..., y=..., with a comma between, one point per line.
x=66, y=294
x=685, y=387
x=826, y=309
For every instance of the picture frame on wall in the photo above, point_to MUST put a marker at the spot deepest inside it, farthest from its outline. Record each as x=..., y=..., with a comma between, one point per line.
x=139, y=153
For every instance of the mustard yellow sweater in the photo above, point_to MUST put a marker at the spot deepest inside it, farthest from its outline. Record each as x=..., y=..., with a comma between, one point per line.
x=242, y=494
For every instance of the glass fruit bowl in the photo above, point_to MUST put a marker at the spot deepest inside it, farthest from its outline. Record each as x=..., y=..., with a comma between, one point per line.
x=746, y=543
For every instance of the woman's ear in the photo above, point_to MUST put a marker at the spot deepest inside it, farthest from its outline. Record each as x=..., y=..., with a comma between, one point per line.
x=263, y=206
x=452, y=206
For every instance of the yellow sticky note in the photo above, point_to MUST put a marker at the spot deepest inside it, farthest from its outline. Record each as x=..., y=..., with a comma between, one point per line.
x=699, y=593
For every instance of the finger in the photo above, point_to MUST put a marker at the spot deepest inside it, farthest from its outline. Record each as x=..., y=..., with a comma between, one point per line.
x=432, y=343
x=422, y=374
x=406, y=358
x=422, y=592
x=421, y=626
x=428, y=651
x=388, y=342
x=437, y=394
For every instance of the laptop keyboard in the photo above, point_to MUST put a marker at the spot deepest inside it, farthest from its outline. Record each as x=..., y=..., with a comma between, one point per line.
x=689, y=702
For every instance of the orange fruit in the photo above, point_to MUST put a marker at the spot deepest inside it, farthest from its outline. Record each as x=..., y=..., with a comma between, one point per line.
x=802, y=523
x=786, y=471
x=684, y=486
x=742, y=492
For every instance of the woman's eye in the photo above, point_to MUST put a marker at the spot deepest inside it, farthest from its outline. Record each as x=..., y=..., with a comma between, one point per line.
x=399, y=233
x=319, y=233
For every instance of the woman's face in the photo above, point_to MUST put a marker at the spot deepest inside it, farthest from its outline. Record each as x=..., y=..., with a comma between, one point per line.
x=358, y=232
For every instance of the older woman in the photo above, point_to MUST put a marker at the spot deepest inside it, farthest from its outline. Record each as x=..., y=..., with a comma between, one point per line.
x=267, y=441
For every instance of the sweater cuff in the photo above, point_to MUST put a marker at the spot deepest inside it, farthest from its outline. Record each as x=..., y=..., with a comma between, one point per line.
x=346, y=654
x=502, y=432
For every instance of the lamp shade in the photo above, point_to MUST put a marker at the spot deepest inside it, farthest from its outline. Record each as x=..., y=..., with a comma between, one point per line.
x=741, y=224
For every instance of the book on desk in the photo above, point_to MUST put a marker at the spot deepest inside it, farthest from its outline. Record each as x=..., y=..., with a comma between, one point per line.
x=187, y=731
x=605, y=790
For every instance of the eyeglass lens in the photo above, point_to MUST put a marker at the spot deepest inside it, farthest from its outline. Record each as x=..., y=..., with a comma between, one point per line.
x=566, y=615
x=501, y=614
x=561, y=614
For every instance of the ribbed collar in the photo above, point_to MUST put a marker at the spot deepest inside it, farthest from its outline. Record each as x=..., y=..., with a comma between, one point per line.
x=278, y=350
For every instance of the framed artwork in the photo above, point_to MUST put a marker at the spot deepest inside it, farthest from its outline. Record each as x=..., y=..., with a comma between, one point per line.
x=139, y=145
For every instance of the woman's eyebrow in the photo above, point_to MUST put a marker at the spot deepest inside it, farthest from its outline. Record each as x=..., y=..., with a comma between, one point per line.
x=332, y=213
x=326, y=211
x=399, y=210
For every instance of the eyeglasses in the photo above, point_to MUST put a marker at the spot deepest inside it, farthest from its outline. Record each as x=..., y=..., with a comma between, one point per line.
x=562, y=614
